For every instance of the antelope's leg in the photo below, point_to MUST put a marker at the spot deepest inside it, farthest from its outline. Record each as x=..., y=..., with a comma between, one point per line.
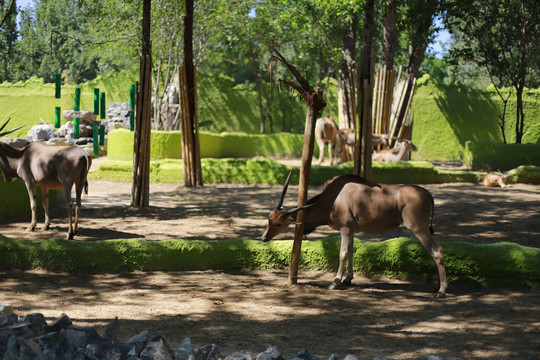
x=30, y=187
x=350, y=254
x=69, y=208
x=436, y=253
x=78, y=190
x=320, y=144
x=45, y=203
x=343, y=252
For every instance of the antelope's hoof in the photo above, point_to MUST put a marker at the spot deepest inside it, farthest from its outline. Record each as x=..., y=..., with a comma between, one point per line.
x=439, y=295
x=333, y=286
x=31, y=228
x=346, y=282
x=46, y=227
x=70, y=236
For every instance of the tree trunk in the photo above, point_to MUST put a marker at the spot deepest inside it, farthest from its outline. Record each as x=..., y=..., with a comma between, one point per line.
x=389, y=34
x=363, y=147
x=190, y=127
x=315, y=102
x=346, y=90
x=520, y=116
x=140, y=189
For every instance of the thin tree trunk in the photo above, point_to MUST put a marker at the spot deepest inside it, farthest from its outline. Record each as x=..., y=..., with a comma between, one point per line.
x=389, y=34
x=345, y=78
x=315, y=102
x=362, y=162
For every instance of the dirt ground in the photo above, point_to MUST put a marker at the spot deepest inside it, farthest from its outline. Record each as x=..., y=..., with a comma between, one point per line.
x=251, y=310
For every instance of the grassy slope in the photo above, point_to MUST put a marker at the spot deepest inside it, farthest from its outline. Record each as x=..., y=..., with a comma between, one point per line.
x=501, y=264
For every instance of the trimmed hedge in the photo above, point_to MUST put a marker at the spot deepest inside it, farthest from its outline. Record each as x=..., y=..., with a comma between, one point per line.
x=14, y=198
x=268, y=171
x=491, y=156
x=167, y=145
x=500, y=264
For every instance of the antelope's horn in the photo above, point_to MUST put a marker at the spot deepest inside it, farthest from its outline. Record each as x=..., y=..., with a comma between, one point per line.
x=280, y=203
x=3, y=126
x=10, y=131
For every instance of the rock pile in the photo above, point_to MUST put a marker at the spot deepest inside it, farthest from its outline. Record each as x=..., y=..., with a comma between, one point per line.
x=30, y=337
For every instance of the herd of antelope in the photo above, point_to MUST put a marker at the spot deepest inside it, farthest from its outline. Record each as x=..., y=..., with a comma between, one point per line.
x=348, y=204
x=340, y=143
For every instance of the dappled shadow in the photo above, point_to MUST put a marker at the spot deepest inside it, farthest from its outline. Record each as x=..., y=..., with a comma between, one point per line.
x=251, y=310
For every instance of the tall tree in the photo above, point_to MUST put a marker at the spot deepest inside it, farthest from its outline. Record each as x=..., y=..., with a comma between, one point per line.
x=8, y=40
x=501, y=35
x=389, y=39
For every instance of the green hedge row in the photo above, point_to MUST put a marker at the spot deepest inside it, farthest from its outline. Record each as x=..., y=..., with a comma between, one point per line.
x=268, y=171
x=168, y=145
x=500, y=264
x=491, y=156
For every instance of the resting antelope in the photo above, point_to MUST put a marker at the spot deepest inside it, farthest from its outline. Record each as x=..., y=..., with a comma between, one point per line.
x=325, y=128
x=344, y=140
x=495, y=179
x=50, y=167
x=399, y=152
x=351, y=204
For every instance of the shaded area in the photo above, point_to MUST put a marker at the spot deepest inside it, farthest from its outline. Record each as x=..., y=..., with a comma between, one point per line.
x=251, y=310
x=463, y=212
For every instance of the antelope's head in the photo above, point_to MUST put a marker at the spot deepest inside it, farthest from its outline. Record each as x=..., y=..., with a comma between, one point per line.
x=279, y=218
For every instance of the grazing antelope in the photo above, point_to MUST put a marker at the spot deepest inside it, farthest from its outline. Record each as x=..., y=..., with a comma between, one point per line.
x=495, y=179
x=49, y=167
x=352, y=204
x=399, y=152
x=325, y=128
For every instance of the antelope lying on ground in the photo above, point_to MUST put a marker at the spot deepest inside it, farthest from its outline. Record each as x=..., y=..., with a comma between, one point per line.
x=495, y=179
x=351, y=204
x=50, y=167
x=325, y=128
x=399, y=152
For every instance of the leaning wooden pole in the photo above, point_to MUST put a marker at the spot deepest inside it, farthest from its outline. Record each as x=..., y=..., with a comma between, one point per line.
x=315, y=102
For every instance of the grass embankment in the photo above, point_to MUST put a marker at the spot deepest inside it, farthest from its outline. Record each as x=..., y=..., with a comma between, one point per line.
x=501, y=264
x=268, y=171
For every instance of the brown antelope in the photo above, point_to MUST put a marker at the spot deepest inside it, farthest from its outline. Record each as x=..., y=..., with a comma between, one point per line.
x=399, y=152
x=495, y=179
x=325, y=128
x=49, y=167
x=344, y=140
x=352, y=204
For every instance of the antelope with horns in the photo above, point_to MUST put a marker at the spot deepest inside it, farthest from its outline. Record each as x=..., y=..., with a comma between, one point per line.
x=49, y=167
x=351, y=204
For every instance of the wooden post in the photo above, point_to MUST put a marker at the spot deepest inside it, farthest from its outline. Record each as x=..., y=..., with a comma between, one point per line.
x=315, y=102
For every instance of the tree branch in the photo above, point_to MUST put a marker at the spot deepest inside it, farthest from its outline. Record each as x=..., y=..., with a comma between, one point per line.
x=8, y=12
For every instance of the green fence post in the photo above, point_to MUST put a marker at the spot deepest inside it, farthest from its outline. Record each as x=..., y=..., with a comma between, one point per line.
x=101, y=135
x=95, y=134
x=76, y=107
x=58, y=86
x=132, y=107
x=57, y=117
x=96, y=101
x=102, y=113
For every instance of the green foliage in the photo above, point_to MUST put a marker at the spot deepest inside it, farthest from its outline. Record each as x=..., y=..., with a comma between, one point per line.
x=499, y=264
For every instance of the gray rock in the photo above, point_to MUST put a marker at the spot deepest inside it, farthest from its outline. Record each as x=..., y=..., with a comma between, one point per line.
x=40, y=132
x=208, y=352
x=304, y=355
x=185, y=351
x=271, y=353
x=85, y=116
x=76, y=338
x=60, y=323
x=111, y=330
x=157, y=349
